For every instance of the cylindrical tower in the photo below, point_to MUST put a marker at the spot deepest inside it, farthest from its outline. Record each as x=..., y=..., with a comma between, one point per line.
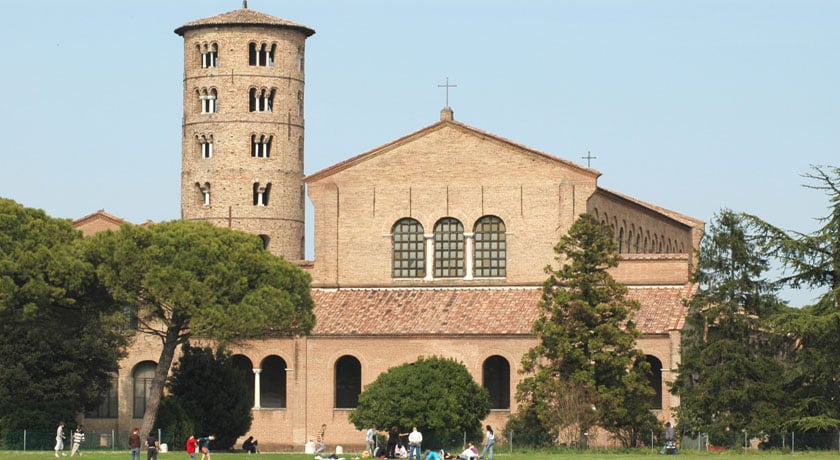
x=242, y=138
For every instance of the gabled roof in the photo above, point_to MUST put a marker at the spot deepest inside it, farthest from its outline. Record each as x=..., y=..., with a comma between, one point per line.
x=98, y=221
x=469, y=311
x=244, y=17
x=350, y=162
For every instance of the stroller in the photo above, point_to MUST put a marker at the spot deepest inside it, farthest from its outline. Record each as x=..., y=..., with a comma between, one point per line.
x=670, y=448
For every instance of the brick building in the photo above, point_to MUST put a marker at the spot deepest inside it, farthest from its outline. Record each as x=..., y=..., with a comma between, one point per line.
x=431, y=244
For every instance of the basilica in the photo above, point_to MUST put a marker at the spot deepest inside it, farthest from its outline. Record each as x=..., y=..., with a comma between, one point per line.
x=434, y=243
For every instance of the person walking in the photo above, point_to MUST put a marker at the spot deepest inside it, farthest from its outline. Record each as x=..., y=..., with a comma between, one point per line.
x=415, y=438
x=489, y=442
x=370, y=439
x=321, y=440
x=78, y=438
x=59, y=439
x=393, y=440
x=192, y=446
x=152, y=447
x=134, y=444
x=204, y=446
x=670, y=446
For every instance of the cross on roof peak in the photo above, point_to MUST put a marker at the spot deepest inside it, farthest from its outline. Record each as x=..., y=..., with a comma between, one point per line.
x=447, y=86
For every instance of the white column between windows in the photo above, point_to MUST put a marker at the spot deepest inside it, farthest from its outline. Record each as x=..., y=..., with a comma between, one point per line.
x=429, y=240
x=257, y=388
x=469, y=244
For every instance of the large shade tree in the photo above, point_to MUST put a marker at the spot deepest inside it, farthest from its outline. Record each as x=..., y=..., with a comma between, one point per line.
x=811, y=261
x=190, y=279
x=60, y=339
x=730, y=376
x=437, y=395
x=210, y=393
x=585, y=370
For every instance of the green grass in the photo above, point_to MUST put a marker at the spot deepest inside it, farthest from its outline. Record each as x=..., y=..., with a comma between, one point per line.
x=535, y=455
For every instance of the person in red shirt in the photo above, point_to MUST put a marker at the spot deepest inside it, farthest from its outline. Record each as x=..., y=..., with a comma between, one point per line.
x=192, y=443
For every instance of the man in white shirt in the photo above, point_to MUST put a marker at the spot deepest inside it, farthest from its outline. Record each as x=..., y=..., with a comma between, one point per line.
x=414, y=440
x=370, y=440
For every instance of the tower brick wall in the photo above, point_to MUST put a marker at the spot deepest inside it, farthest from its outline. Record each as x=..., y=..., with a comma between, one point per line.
x=272, y=116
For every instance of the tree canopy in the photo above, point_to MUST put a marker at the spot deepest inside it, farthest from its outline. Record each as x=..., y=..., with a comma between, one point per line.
x=190, y=279
x=211, y=394
x=585, y=371
x=437, y=395
x=60, y=339
x=729, y=377
x=810, y=260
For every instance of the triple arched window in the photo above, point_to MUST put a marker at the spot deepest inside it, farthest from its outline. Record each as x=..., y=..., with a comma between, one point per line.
x=449, y=252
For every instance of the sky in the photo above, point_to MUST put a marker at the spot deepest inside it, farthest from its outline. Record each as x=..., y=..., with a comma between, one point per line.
x=694, y=106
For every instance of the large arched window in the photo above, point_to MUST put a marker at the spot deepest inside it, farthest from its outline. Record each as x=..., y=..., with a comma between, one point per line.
x=490, y=247
x=273, y=382
x=143, y=375
x=409, y=252
x=348, y=382
x=108, y=408
x=496, y=372
x=655, y=381
x=246, y=368
x=449, y=248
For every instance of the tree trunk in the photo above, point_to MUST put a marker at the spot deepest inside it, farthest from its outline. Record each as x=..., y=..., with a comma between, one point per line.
x=167, y=354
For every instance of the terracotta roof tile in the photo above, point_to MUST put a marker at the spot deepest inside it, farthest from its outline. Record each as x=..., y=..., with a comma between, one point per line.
x=244, y=17
x=467, y=311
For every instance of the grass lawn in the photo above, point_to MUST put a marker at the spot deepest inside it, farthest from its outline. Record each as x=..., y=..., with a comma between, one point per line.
x=537, y=455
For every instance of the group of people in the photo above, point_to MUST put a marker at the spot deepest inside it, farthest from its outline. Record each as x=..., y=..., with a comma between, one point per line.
x=395, y=449
x=77, y=438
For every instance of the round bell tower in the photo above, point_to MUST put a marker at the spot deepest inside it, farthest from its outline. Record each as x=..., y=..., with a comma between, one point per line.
x=242, y=136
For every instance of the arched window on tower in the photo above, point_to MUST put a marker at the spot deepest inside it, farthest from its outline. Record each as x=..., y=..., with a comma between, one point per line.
x=261, y=194
x=142, y=378
x=205, y=145
x=205, y=192
x=348, y=382
x=655, y=381
x=409, y=251
x=265, y=241
x=449, y=248
x=209, y=102
x=261, y=55
x=209, y=55
x=496, y=380
x=300, y=60
x=261, y=100
x=300, y=103
x=490, y=247
x=261, y=145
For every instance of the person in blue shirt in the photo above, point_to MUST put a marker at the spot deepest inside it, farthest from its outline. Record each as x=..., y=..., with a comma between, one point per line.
x=204, y=446
x=432, y=455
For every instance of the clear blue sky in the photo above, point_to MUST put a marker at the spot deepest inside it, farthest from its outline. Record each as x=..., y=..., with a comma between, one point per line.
x=690, y=105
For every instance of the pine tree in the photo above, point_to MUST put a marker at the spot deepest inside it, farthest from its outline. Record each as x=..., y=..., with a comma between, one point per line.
x=811, y=261
x=585, y=371
x=730, y=376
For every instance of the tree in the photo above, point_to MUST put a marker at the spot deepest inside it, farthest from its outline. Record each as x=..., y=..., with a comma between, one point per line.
x=437, y=395
x=586, y=344
x=194, y=279
x=213, y=394
x=810, y=261
x=729, y=377
x=60, y=340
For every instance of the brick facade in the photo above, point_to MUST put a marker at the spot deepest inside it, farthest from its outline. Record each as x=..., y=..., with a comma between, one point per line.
x=370, y=320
